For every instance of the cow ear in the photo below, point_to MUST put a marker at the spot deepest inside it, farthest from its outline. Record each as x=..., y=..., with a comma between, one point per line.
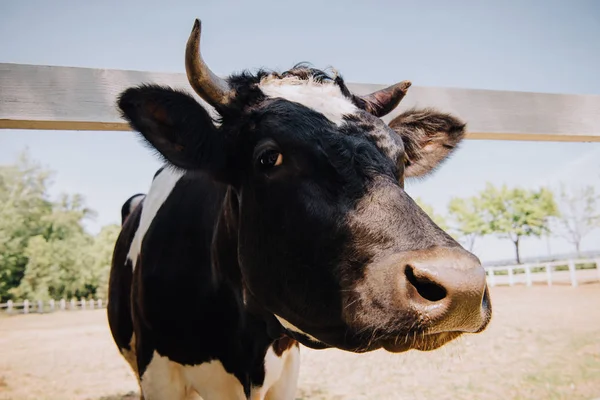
x=429, y=138
x=176, y=125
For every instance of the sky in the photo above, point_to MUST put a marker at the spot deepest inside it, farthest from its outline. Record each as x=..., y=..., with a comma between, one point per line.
x=539, y=46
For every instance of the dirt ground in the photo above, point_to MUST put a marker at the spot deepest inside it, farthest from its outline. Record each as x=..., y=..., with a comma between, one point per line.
x=543, y=343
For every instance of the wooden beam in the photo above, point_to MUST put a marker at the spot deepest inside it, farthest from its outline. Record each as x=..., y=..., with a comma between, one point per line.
x=68, y=98
x=63, y=125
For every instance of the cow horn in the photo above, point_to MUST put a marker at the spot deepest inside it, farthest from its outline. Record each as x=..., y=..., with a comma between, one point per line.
x=212, y=89
x=383, y=101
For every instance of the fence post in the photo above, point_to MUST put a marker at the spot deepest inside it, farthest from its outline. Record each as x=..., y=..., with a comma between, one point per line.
x=572, y=273
x=511, y=278
x=492, y=277
x=99, y=303
x=72, y=303
x=63, y=304
x=26, y=307
x=82, y=303
x=51, y=302
x=9, y=306
x=598, y=267
x=40, y=305
x=91, y=304
x=528, y=274
x=549, y=274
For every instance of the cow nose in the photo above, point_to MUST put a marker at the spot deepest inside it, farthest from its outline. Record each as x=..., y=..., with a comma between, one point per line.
x=447, y=288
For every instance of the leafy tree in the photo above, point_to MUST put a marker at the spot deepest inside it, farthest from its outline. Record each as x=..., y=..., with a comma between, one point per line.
x=579, y=213
x=467, y=219
x=435, y=217
x=58, y=260
x=517, y=213
x=45, y=251
x=23, y=206
x=102, y=251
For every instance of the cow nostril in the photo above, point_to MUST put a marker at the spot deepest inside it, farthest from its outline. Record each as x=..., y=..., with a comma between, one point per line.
x=427, y=288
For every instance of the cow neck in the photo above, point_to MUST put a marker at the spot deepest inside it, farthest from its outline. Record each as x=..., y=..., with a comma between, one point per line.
x=226, y=268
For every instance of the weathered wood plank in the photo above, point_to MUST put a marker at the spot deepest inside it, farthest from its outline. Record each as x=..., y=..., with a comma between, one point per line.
x=68, y=98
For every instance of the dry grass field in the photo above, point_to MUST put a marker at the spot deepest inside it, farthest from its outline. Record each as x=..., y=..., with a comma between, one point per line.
x=543, y=343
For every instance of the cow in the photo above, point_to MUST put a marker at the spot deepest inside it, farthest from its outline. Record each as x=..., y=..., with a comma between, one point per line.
x=282, y=219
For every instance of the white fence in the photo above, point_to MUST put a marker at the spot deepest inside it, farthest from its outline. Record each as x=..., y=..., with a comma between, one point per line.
x=40, y=307
x=546, y=272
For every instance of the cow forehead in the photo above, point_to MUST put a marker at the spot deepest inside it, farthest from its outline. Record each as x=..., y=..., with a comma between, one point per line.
x=324, y=97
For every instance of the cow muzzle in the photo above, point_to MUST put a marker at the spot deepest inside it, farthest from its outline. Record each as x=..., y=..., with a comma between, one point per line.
x=441, y=292
x=445, y=286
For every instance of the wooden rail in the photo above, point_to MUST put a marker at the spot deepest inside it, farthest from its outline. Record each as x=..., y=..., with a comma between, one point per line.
x=68, y=98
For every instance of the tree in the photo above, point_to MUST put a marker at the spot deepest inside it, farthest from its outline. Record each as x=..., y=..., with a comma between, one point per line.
x=59, y=259
x=517, y=213
x=45, y=251
x=579, y=213
x=437, y=218
x=467, y=220
x=102, y=252
x=23, y=206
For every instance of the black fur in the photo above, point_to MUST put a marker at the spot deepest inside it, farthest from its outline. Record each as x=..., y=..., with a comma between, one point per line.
x=119, y=285
x=294, y=240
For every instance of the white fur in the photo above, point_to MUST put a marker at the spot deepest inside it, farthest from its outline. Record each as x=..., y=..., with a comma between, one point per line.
x=211, y=381
x=165, y=379
x=281, y=378
x=160, y=189
x=292, y=328
x=135, y=201
x=323, y=97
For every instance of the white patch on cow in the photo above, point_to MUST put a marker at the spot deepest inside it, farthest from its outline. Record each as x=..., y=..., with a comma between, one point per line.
x=292, y=328
x=212, y=381
x=160, y=189
x=281, y=378
x=323, y=97
x=166, y=379
x=135, y=202
x=273, y=368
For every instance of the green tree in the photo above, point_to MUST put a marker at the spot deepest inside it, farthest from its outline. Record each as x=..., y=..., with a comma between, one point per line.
x=45, y=252
x=59, y=259
x=517, y=213
x=579, y=213
x=102, y=252
x=466, y=216
x=435, y=217
x=23, y=206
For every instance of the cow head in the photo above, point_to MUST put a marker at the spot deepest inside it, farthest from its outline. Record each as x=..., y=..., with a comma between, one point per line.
x=328, y=242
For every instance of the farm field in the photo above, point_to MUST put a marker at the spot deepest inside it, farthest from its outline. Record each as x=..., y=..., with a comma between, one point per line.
x=543, y=343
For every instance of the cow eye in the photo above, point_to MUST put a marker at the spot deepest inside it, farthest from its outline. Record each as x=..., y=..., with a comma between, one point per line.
x=270, y=158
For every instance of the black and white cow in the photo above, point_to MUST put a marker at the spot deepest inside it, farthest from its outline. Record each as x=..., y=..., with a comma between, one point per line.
x=285, y=218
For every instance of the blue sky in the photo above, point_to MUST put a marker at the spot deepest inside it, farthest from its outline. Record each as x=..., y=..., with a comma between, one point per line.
x=541, y=46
